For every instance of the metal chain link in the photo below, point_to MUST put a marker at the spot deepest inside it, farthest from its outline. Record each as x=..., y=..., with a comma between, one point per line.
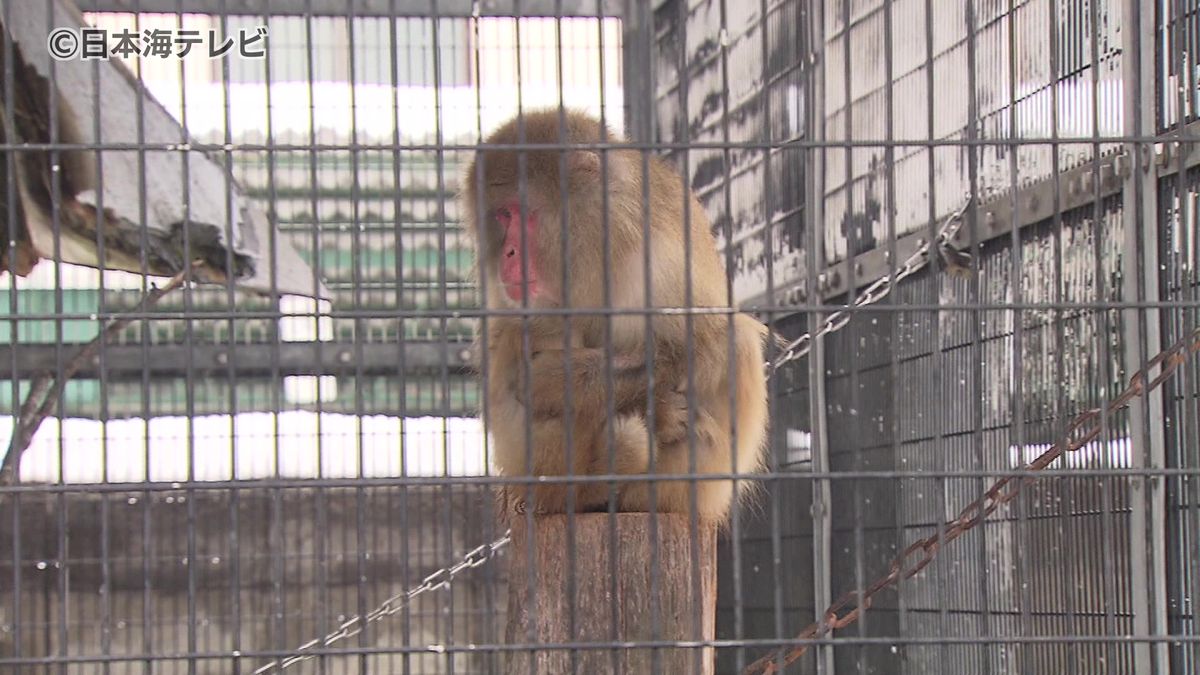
x=794, y=350
x=878, y=290
x=355, y=624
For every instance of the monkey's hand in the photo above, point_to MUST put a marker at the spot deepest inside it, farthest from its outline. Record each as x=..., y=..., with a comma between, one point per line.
x=548, y=386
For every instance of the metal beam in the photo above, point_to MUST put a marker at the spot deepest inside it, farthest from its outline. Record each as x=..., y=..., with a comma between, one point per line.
x=1034, y=203
x=366, y=8
x=123, y=362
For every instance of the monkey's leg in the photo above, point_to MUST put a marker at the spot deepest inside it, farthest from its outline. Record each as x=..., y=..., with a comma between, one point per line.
x=554, y=456
x=712, y=456
x=628, y=456
x=625, y=457
x=590, y=457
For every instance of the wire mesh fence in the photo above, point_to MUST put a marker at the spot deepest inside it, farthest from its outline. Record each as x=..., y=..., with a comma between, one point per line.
x=242, y=317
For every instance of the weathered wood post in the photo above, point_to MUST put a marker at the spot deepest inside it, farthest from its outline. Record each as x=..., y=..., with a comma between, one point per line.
x=614, y=599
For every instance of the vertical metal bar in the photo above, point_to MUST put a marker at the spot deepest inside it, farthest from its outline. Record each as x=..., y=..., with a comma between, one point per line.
x=322, y=516
x=361, y=541
x=234, y=496
x=568, y=390
x=190, y=341
x=147, y=497
x=981, y=563
x=62, y=578
x=1173, y=200
x=893, y=318
x=936, y=356
x=406, y=621
x=1184, y=191
x=775, y=462
x=1061, y=485
x=1017, y=394
x=105, y=590
x=526, y=347
x=646, y=115
x=735, y=515
x=817, y=409
x=855, y=441
x=478, y=187
x=443, y=366
x=689, y=330
x=1141, y=337
x=429, y=545
x=1110, y=434
x=632, y=26
x=48, y=627
x=276, y=535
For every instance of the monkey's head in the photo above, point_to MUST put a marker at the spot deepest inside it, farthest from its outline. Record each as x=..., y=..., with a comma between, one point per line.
x=521, y=203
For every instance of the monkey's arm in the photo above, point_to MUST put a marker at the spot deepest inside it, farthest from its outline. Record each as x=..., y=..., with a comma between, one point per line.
x=547, y=390
x=547, y=395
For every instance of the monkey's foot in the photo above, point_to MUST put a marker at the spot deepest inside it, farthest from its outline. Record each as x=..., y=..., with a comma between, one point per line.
x=549, y=499
x=670, y=418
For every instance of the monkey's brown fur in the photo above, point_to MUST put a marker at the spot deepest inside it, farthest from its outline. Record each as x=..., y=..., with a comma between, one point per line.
x=492, y=180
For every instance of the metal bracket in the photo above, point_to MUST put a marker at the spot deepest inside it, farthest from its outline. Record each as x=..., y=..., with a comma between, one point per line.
x=1034, y=203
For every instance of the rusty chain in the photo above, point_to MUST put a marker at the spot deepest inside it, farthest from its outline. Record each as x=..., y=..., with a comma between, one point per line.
x=355, y=624
x=1084, y=429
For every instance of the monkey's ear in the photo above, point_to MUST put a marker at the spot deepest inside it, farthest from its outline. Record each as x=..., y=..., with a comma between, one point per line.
x=585, y=162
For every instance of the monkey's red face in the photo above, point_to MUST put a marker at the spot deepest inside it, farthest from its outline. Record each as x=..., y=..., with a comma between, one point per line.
x=519, y=273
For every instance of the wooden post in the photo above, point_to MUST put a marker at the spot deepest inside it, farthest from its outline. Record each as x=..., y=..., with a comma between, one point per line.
x=610, y=576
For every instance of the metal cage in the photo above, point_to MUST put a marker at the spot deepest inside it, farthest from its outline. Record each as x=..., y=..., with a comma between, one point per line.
x=236, y=474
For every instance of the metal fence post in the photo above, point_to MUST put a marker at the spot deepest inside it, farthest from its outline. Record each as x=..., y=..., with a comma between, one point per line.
x=1141, y=334
x=815, y=262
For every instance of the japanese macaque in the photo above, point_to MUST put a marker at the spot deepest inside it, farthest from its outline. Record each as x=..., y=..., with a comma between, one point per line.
x=520, y=205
